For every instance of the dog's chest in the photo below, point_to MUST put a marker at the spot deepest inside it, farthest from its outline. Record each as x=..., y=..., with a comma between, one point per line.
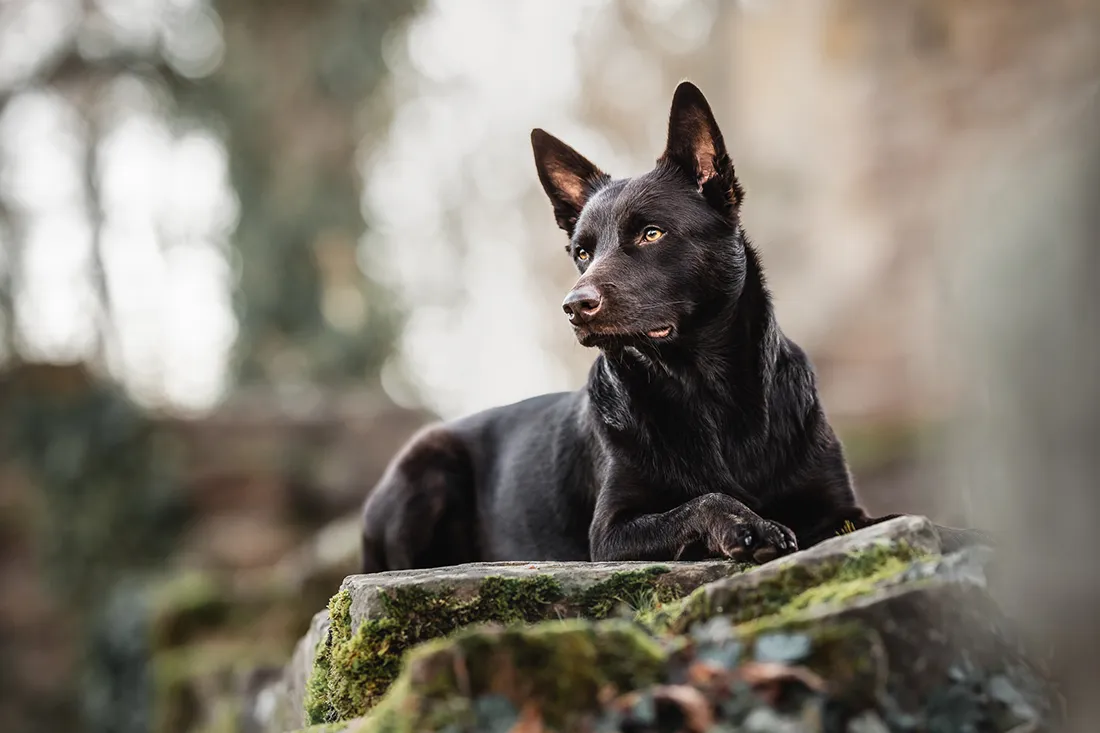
x=702, y=450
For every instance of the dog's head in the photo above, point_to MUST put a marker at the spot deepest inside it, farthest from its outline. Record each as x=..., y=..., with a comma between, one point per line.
x=658, y=252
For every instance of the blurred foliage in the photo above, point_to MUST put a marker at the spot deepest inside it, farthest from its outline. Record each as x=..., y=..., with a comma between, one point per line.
x=106, y=500
x=102, y=505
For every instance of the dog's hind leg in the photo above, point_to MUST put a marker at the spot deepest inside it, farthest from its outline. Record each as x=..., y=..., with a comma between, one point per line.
x=423, y=512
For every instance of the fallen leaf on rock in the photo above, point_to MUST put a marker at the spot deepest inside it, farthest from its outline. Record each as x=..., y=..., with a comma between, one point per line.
x=705, y=673
x=606, y=695
x=646, y=707
x=698, y=714
x=768, y=679
x=530, y=720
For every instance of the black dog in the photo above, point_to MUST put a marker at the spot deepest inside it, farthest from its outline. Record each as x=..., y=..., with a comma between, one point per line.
x=699, y=433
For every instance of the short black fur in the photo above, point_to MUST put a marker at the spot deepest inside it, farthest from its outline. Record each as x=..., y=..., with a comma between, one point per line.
x=699, y=432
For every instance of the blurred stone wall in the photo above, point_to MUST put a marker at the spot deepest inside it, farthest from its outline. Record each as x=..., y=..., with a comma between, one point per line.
x=155, y=565
x=264, y=472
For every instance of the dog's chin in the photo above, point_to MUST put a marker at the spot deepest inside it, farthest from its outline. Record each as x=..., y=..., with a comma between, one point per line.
x=606, y=338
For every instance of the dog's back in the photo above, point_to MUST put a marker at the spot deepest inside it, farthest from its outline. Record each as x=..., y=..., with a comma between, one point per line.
x=510, y=483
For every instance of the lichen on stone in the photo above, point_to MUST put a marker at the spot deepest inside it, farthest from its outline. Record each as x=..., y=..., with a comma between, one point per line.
x=774, y=600
x=840, y=588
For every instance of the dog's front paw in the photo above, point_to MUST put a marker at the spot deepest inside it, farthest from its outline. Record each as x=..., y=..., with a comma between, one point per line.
x=750, y=537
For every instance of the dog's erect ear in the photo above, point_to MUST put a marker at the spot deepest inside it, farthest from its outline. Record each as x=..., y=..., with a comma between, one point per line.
x=567, y=177
x=695, y=144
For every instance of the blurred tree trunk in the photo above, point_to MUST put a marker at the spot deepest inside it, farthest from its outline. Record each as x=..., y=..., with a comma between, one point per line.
x=293, y=94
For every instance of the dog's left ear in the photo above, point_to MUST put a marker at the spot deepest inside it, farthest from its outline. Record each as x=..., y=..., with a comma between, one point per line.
x=695, y=145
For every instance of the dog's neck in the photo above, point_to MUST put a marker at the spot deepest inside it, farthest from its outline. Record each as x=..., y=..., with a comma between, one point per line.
x=728, y=358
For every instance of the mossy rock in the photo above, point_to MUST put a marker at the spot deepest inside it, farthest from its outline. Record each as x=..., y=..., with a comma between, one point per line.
x=769, y=600
x=924, y=650
x=562, y=668
x=375, y=619
x=890, y=629
x=833, y=571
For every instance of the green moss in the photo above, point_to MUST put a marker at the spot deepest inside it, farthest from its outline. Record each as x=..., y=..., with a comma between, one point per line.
x=638, y=590
x=328, y=728
x=844, y=586
x=562, y=667
x=184, y=605
x=792, y=590
x=658, y=618
x=353, y=670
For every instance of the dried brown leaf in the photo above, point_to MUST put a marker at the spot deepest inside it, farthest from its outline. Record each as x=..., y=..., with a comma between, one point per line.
x=698, y=712
x=530, y=720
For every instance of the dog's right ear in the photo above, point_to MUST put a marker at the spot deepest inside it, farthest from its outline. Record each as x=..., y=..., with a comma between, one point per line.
x=568, y=178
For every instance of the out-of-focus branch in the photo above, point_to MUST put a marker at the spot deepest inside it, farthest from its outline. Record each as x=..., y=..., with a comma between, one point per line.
x=106, y=331
x=7, y=278
x=70, y=68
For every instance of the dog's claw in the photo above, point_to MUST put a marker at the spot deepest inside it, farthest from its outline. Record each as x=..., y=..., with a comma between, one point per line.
x=746, y=537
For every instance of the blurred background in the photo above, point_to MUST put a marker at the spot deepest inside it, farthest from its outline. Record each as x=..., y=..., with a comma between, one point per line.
x=247, y=248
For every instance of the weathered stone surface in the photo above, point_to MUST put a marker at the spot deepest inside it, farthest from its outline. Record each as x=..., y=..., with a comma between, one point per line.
x=395, y=610
x=870, y=631
x=924, y=650
x=580, y=583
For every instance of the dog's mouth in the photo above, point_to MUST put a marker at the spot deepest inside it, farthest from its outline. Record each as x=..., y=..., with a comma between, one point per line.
x=589, y=336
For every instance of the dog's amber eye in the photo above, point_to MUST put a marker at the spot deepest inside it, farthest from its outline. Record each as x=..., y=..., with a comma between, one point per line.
x=652, y=234
x=582, y=254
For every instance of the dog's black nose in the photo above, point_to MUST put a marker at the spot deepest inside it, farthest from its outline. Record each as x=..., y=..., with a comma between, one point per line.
x=581, y=304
